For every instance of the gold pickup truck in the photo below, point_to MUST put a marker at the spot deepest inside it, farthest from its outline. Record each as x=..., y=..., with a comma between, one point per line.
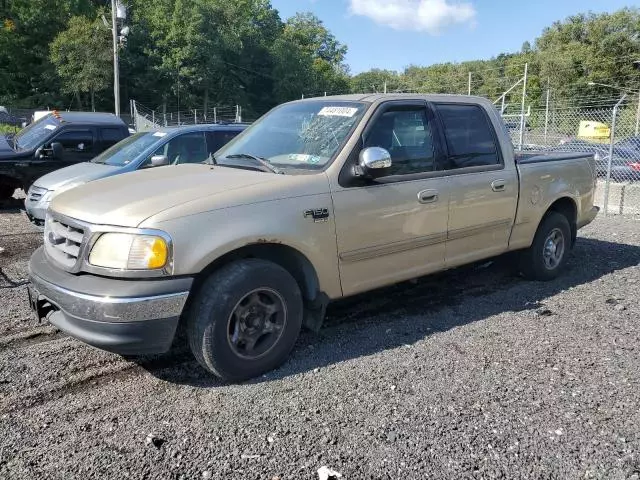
x=318, y=200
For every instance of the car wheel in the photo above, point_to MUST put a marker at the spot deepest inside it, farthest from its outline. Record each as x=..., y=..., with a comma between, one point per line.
x=546, y=257
x=245, y=319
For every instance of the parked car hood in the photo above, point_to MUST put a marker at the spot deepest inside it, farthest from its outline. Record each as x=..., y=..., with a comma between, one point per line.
x=76, y=175
x=168, y=192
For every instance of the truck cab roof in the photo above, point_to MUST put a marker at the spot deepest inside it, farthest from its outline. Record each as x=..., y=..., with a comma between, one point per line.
x=97, y=118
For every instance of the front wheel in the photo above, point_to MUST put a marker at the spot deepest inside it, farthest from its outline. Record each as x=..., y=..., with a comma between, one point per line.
x=245, y=319
x=546, y=257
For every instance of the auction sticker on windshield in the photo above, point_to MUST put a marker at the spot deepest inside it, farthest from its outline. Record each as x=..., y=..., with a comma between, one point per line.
x=338, y=111
x=50, y=127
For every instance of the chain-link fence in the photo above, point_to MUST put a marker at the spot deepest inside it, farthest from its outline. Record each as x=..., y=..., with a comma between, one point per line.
x=146, y=119
x=611, y=134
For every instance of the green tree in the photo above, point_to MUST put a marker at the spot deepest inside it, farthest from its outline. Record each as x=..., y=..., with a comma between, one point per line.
x=374, y=81
x=82, y=57
x=27, y=27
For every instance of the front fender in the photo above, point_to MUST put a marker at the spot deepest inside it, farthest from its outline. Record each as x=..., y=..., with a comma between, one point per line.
x=201, y=239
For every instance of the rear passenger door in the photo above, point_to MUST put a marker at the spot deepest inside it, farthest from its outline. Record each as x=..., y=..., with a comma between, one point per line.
x=483, y=190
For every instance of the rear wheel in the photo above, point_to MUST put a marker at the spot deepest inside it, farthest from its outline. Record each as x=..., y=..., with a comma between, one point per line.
x=546, y=257
x=245, y=319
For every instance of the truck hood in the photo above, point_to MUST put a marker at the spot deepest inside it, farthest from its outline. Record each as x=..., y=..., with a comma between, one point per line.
x=75, y=175
x=128, y=200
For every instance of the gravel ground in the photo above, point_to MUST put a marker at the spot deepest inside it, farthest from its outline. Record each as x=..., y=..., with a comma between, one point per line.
x=470, y=374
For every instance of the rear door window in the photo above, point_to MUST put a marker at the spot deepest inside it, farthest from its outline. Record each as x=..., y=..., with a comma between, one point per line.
x=470, y=137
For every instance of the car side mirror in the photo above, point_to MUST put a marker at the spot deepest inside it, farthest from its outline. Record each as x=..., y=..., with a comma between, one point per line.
x=56, y=150
x=159, y=161
x=374, y=161
x=38, y=153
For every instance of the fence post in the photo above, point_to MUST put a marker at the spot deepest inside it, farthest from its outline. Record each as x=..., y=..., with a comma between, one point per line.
x=469, y=90
x=611, y=142
x=638, y=116
x=153, y=118
x=524, y=97
x=546, y=115
x=237, y=113
x=215, y=115
x=195, y=116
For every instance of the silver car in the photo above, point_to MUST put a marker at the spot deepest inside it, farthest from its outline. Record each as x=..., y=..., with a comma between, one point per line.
x=167, y=146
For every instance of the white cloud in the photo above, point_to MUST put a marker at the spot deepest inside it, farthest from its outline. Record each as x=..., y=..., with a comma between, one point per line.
x=430, y=16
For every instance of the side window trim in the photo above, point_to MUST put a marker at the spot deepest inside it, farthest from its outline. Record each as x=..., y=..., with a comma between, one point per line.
x=445, y=142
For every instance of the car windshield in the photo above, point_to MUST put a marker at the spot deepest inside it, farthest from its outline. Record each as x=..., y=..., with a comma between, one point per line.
x=33, y=136
x=127, y=150
x=303, y=135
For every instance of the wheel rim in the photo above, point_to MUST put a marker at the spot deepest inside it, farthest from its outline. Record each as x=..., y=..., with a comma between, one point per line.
x=256, y=323
x=553, y=249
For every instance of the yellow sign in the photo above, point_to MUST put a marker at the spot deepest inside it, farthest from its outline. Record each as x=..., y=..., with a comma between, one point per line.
x=596, y=131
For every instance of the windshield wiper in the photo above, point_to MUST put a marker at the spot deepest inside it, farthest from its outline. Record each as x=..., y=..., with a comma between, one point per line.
x=262, y=161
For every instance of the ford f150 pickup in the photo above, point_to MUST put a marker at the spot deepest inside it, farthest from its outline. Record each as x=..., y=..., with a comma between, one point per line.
x=318, y=200
x=52, y=142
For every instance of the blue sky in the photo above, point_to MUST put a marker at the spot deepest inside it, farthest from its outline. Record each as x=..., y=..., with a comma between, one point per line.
x=393, y=34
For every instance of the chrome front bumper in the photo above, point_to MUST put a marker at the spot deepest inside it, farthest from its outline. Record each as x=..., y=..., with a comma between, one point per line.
x=109, y=309
x=121, y=316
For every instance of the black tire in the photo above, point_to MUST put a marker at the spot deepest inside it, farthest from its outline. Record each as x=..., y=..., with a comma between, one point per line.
x=534, y=262
x=210, y=320
x=6, y=191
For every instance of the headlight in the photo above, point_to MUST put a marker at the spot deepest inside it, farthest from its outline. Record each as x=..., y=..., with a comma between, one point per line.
x=127, y=251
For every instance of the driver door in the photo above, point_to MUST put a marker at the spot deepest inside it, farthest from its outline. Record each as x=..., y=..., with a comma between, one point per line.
x=394, y=228
x=77, y=146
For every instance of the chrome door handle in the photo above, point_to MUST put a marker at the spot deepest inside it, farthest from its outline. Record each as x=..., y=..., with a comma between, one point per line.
x=428, y=196
x=498, y=185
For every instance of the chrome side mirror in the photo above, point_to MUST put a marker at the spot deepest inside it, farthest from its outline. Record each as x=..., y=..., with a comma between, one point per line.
x=159, y=161
x=373, y=161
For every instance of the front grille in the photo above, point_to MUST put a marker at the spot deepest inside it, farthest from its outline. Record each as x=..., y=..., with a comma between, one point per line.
x=63, y=241
x=36, y=193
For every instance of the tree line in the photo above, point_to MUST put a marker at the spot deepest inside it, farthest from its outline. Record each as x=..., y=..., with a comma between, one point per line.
x=194, y=54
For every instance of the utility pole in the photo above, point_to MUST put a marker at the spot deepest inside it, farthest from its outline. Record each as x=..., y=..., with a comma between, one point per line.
x=610, y=159
x=116, y=68
x=385, y=87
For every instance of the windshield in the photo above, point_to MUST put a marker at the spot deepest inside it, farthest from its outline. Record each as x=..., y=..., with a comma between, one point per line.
x=34, y=135
x=127, y=150
x=305, y=135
